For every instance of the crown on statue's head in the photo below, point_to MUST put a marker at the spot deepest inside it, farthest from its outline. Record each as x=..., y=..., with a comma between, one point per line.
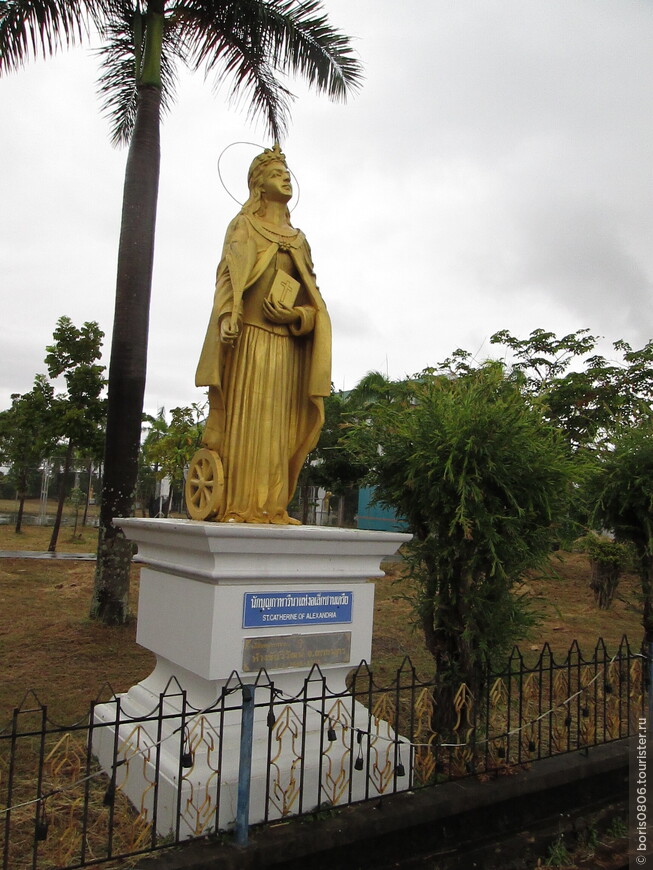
x=270, y=155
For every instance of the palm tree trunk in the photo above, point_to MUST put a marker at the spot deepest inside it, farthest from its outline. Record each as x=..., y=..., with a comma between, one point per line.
x=127, y=368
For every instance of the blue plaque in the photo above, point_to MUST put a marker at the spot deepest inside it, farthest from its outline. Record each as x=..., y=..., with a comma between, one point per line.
x=272, y=609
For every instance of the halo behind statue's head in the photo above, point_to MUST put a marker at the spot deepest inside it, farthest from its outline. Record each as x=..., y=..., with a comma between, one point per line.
x=255, y=176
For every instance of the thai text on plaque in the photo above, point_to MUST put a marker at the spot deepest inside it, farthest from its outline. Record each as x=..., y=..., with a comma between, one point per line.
x=296, y=608
x=296, y=650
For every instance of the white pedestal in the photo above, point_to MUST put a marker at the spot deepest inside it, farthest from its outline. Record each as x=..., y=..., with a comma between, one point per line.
x=226, y=604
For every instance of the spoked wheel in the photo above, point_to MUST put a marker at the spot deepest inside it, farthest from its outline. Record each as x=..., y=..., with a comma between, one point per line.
x=204, y=485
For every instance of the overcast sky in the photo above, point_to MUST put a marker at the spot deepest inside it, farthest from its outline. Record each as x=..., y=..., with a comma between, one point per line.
x=494, y=172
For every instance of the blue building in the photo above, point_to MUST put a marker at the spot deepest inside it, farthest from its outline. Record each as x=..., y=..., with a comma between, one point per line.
x=376, y=517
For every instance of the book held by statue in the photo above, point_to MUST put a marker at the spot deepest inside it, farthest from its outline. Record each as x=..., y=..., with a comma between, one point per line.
x=284, y=289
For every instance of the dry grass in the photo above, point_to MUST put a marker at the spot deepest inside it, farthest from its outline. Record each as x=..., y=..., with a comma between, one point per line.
x=75, y=816
x=564, y=602
x=50, y=645
x=32, y=507
x=34, y=538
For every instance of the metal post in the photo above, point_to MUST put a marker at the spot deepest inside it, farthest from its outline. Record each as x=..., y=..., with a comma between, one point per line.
x=245, y=765
x=45, y=483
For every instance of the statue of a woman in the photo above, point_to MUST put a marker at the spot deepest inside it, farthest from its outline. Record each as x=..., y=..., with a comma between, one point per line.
x=266, y=360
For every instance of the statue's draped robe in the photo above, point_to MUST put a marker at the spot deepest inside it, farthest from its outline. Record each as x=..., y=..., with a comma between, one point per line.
x=266, y=390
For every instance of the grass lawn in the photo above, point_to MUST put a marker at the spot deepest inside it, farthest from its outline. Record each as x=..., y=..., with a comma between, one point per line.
x=35, y=537
x=38, y=537
x=49, y=644
x=32, y=507
x=564, y=602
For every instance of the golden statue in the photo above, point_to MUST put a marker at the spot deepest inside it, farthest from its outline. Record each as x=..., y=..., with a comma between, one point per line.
x=266, y=360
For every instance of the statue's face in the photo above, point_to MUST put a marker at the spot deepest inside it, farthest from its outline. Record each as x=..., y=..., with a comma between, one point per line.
x=276, y=185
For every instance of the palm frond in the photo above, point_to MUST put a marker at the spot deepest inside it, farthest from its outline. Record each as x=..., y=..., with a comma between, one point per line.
x=117, y=80
x=265, y=96
x=247, y=43
x=304, y=43
x=29, y=28
x=249, y=79
x=118, y=61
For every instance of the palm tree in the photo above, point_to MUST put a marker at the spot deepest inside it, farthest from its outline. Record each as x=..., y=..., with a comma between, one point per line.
x=246, y=43
x=372, y=387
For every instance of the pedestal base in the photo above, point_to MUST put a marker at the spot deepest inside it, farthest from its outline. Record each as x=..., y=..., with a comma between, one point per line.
x=224, y=605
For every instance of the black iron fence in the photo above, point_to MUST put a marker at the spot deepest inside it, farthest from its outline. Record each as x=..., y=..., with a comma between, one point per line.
x=115, y=785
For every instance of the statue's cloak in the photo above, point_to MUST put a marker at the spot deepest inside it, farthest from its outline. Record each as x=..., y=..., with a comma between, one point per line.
x=249, y=253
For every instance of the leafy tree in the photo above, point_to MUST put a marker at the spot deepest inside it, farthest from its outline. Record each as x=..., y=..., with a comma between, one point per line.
x=481, y=479
x=607, y=560
x=27, y=436
x=91, y=460
x=330, y=465
x=622, y=494
x=250, y=44
x=170, y=446
x=154, y=427
x=588, y=396
x=76, y=499
x=78, y=414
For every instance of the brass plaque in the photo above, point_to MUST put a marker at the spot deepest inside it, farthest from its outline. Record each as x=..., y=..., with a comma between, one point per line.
x=296, y=650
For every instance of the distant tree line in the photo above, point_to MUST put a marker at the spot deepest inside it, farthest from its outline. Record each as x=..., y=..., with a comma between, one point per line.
x=66, y=430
